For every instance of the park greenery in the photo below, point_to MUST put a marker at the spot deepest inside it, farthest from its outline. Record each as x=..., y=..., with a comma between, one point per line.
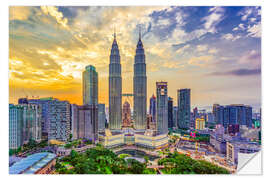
x=77, y=143
x=31, y=145
x=182, y=164
x=99, y=160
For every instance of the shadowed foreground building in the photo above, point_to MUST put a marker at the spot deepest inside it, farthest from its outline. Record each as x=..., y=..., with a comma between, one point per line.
x=153, y=108
x=58, y=120
x=170, y=113
x=101, y=117
x=24, y=124
x=84, y=121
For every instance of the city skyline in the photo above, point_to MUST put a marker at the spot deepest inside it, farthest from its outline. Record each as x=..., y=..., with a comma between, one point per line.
x=218, y=59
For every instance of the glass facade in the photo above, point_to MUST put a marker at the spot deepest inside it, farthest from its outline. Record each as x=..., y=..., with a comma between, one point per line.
x=153, y=108
x=90, y=86
x=139, y=87
x=183, y=96
x=15, y=126
x=162, y=107
x=115, y=88
x=170, y=113
x=101, y=117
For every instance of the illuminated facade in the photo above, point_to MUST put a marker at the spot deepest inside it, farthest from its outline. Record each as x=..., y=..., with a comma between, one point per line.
x=140, y=87
x=126, y=115
x=200, y=123
x=115, y=88
x=111, y=139
x=152, y=142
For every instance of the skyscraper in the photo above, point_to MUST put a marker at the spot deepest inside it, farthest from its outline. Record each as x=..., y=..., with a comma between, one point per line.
x=15, y=126
x=153, y=108
x=90, y=86
x=162, y=107
x=101, y=117
x=140, y=87
x=175, y=110
x=183, y=96
x=115, y=88
x=58, y=120
x=170, y=112
x=44, y=103
x=31, y=122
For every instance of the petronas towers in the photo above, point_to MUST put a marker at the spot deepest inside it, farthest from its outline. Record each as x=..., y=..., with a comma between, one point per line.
x=139, y=88
x=115, y=88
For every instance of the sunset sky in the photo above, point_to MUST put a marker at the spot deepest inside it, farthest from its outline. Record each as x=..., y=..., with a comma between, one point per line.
x=215, y=51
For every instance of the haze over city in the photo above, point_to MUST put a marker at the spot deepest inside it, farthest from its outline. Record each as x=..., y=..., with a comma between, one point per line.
x=214, y=51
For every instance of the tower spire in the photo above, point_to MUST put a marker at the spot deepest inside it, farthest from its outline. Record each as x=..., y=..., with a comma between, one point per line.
x=114, y=34
x=140, y=32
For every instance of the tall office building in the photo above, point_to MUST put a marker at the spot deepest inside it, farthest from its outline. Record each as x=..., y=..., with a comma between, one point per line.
x=24, y=124
x=175, y=110
x=139, y=87
x=162, y=107
x=115, y=88
x=44, y=103
x=15, y=126
x=58, y=120
x=31, y=122
x=101, y=117
x=84, y=122
x=170, y=112
x=90, y=86
x=183, y=96
x=153, y=107
x=215, y=113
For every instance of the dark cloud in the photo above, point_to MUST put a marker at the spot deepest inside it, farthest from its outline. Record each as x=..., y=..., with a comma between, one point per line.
x=237, y=72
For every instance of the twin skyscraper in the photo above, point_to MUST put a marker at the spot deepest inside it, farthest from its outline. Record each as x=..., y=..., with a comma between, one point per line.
x=139, y=88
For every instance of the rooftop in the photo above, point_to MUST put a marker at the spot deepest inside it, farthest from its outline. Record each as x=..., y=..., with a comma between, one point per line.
x=32, y=163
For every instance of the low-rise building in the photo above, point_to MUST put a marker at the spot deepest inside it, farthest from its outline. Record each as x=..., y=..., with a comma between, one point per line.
x=62, y=151
x=111, y=139
x=200, y=123
x=236, y=147
x=150, y=141
x=39, y=163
